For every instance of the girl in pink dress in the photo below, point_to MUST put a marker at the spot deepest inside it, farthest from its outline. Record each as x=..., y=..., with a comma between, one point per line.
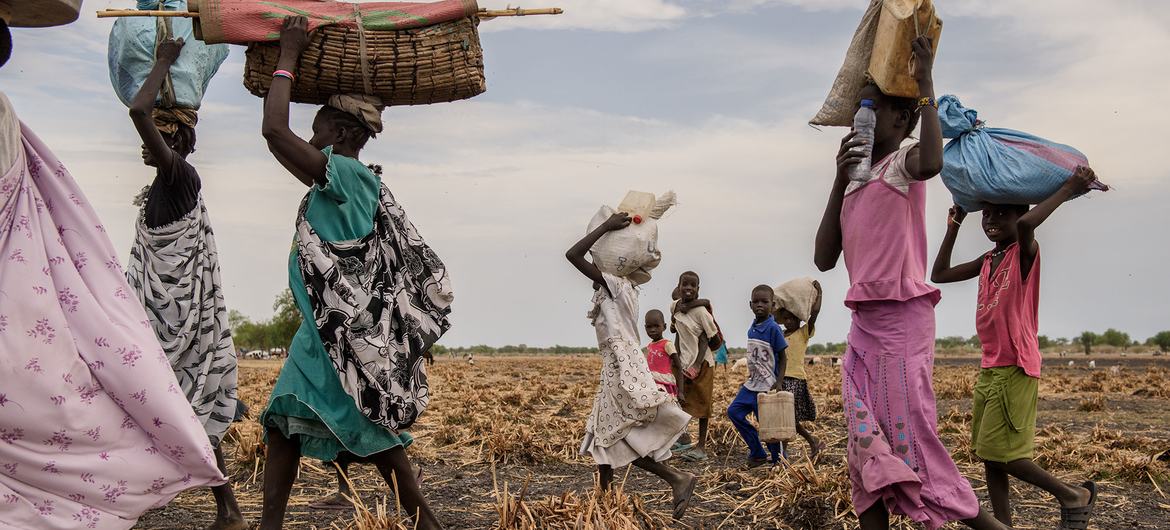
x=661, y=355
x=896, y=461
x=94, y=429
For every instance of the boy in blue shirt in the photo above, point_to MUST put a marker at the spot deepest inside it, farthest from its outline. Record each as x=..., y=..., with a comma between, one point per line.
x=766, y=361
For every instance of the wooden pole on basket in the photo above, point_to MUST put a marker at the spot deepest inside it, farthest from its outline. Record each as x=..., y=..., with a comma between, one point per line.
x=114, y=13
x=486, y=14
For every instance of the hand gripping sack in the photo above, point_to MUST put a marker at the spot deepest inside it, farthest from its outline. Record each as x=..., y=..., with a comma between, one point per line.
x=131, y=56
x=631, y=252
x=1000, y=166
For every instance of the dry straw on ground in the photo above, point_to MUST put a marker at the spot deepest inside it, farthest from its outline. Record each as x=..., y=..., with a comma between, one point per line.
x=499, y=445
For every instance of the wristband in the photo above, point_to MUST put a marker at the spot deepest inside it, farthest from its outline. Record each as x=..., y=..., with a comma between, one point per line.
x=285, y=74
x=927, y=101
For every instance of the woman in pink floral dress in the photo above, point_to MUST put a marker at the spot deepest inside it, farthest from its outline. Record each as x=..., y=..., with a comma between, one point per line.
x=93, y=428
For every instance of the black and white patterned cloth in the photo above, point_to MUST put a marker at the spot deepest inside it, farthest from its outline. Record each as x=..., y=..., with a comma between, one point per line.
x=174, y=271
x=806, y=409
x=379, y=302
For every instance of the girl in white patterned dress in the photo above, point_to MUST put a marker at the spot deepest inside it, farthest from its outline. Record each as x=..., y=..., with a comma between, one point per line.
x=632, y=421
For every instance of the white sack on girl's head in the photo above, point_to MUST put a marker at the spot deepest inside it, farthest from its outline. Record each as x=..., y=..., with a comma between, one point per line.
x=797, y=296
x=631, y=252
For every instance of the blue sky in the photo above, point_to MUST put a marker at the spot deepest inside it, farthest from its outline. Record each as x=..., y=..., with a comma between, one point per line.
x=709, y=98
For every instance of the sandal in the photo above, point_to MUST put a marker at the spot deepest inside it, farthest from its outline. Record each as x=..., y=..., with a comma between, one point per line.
x=694, y=455
x=1078, y=518
x=681, y=505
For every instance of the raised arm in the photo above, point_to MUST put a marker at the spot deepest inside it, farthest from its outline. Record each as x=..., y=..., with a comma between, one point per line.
x=1077, y=184
x=926, y=161
x=143, y=104
x=828, y=242
x=299, y=157
x=576, y=254
x=943, y=272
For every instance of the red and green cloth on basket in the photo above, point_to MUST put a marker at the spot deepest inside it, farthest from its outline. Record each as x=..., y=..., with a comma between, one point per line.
x=246, y=21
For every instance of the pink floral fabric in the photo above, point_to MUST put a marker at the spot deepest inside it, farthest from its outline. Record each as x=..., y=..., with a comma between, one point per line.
x=94, y=430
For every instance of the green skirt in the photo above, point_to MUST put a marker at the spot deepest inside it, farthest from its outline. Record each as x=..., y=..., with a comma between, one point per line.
x=1003, y=426
x=308, y=404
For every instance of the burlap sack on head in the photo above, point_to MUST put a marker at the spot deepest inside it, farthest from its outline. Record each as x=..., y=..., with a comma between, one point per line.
x=880, y=51
x=39, y=13
x=842, y=100
x=631, y=252
x=797, y=296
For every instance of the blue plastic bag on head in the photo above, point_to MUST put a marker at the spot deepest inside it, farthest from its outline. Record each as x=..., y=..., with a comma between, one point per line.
x=999, y=166
x=131, y=56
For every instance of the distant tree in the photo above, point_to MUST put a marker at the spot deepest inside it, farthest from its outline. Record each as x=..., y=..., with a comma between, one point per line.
x=1044, y=342
x=1087, y=340
x=1162, y=341
x=1061, y=341
x=287, y=320
x=1115, y=338
x=974, y=342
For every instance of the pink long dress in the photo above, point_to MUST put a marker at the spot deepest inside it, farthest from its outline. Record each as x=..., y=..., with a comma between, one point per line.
x=94, y=430
x=894, y=453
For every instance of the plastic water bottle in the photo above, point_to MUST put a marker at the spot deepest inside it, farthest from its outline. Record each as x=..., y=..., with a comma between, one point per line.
x=864, y=123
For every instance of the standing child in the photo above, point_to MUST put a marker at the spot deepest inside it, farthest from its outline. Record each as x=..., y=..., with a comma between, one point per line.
x=661, y=356
x=174, y=271
x=795, y=378
x=632, y=422
x=698, y=337
x=766, y=364
x=1007, y=319
x=897, y=463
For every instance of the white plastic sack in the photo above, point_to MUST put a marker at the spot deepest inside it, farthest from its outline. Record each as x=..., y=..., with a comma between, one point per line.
x=797, y=296
x=631, y=252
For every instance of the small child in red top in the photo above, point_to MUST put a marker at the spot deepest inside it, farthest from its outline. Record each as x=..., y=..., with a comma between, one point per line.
x=661, y=355
x=1007, y=320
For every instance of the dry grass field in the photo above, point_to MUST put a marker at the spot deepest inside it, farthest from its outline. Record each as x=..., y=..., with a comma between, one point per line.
x=498, y=448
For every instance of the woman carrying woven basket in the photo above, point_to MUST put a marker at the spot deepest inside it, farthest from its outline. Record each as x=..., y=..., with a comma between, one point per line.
x=374, y=297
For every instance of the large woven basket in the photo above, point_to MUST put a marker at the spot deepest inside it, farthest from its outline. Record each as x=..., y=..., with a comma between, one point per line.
x=434, y=64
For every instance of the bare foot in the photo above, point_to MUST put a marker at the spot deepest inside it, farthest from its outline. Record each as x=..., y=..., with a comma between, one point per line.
x=235, y=522
x=683, y=491
x=335, y=502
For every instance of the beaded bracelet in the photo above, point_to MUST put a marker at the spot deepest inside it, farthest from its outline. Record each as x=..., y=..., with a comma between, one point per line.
x=928, y=102
x=285, y=74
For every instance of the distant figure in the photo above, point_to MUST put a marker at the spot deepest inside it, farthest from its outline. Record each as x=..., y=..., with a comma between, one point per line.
x=1070, y=363
x=1115, y=370
x=1092, y=364
x=739, y=364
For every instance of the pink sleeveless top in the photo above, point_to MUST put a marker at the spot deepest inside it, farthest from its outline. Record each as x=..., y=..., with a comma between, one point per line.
x=883, y=235
x=1008, y=315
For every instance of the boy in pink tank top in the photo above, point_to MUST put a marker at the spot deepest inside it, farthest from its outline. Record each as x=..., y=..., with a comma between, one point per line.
x=897, y=463
x=1007, y=320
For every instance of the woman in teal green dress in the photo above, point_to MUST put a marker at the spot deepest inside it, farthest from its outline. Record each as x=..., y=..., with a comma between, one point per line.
x=373, y=295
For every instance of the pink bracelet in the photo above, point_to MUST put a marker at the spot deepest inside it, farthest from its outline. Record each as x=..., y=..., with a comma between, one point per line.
x=285, y=74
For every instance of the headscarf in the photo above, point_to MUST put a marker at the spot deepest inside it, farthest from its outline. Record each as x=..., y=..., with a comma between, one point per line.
x=367, y=109
x=168, y=119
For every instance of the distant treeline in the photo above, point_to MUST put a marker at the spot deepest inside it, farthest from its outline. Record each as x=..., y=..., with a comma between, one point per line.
x=277, y=332
x=1087, y=342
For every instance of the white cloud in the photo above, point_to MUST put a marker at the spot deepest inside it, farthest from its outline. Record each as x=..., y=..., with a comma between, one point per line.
x=501, y=186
